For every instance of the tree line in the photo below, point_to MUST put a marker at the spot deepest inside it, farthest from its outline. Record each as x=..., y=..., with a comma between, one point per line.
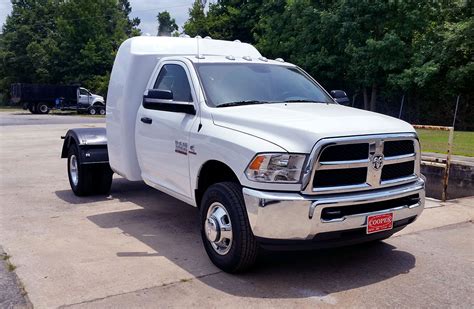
x=67, y=42
x=378, y=51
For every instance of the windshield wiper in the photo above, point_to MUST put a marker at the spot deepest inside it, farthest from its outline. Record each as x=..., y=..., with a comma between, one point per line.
x=237, y=103
x=302, y=100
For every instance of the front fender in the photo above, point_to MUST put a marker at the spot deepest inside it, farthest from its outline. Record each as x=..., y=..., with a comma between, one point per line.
x=232, y=148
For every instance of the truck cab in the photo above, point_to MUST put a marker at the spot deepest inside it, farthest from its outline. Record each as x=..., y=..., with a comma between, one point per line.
x=267, y=155
x=91, y=103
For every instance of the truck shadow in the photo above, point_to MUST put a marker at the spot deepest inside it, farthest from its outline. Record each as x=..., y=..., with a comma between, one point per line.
x=170, y=228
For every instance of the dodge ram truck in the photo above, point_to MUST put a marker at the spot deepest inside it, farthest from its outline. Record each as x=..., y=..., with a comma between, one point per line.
x=267, y=155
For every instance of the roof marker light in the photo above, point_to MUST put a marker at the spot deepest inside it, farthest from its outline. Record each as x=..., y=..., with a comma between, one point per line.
x=208, y=38
x=279, y=60
x=237, y=41
x=247, y=58
x=264, y=59
x=198, y=37
x=230, y=57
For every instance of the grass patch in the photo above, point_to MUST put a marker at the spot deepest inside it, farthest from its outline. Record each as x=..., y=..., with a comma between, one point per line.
x=10, y=266
x=5, y=257
x=437, y=141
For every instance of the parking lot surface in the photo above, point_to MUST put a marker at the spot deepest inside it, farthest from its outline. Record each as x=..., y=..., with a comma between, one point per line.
x=139, y=247
x=22, y=117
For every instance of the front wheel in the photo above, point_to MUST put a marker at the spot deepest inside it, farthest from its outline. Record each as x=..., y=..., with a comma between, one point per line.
x=225, y=230
x=92, y=111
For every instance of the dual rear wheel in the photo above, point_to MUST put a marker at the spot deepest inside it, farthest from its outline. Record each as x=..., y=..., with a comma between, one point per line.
x=97, y=110
x=39, y=108
x=87, y=179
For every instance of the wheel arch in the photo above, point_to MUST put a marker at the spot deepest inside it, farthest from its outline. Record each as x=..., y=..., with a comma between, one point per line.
x=98, y=103
x=211, y=172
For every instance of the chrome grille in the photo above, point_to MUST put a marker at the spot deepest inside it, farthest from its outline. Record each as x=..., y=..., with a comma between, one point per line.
x=349, y=164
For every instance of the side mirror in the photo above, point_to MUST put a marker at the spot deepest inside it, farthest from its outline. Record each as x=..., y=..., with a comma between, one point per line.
x=160, y=94
x=152, y=101
x=340, y=97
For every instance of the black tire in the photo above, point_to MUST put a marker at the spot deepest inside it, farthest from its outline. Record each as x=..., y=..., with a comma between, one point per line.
x=94, y=179
x=101, y=110
x=244, y=248
x=92, y=111
x=42, y=108
x=32, y=108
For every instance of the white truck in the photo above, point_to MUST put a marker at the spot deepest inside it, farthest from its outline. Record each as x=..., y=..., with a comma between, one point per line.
x=42, y=98
x=267, y=155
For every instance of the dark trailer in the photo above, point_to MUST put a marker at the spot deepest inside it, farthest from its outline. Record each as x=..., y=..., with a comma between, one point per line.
x=41, y=98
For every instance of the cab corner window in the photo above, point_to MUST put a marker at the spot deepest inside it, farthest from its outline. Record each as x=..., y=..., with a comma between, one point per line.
x=173, y=77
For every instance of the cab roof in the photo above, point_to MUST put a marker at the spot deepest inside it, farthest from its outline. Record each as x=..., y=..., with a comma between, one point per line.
x=180, y=46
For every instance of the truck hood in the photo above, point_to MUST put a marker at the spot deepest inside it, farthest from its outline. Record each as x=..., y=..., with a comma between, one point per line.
x=296, y=127
x=97, y=97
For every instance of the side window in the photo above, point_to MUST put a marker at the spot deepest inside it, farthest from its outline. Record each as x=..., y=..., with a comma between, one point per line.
x=83, y=92
x=173, y=77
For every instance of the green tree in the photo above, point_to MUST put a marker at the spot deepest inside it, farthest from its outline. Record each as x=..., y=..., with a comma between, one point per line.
x=132, y=24
x=226, y=19
x=28, y=45
x=59, y=41
x=197, y=22
x=166, y=24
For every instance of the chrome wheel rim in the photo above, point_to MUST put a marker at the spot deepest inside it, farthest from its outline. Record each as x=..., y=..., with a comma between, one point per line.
x=73, y=170
x=102, y=111
x=43, y=108
x=92, y=111
x=218, y=228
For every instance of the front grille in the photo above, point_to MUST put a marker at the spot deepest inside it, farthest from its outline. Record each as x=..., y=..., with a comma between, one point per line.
x=345, y=152
x=398, y=148
x=331, y=213
x=399, y=170
x=342, y=177
x=345, y=164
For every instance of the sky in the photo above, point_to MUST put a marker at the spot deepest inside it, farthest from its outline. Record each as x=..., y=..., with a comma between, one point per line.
x=146, y=10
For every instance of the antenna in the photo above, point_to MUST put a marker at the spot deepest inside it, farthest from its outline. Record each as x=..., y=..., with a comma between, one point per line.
x=199, y=57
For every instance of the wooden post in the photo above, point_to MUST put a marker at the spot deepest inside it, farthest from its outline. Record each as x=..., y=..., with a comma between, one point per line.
x=434, y=162
x=448, y=164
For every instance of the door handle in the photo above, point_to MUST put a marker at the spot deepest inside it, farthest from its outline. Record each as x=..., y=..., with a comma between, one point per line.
x=146, y=120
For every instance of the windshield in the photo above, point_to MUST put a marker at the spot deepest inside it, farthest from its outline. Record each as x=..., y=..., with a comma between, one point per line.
x=228, y=84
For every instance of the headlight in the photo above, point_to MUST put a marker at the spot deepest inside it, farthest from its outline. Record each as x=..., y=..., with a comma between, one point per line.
x=276, y=167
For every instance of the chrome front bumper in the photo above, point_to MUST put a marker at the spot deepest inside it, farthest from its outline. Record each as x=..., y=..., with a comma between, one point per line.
x=292, y=216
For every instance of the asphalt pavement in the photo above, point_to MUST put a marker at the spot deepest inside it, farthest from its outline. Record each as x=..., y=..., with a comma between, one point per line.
x=139, y=247
x=11, y=293
x=21, y=117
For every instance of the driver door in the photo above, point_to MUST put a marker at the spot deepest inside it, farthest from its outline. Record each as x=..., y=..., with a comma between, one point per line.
x=162, y=129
